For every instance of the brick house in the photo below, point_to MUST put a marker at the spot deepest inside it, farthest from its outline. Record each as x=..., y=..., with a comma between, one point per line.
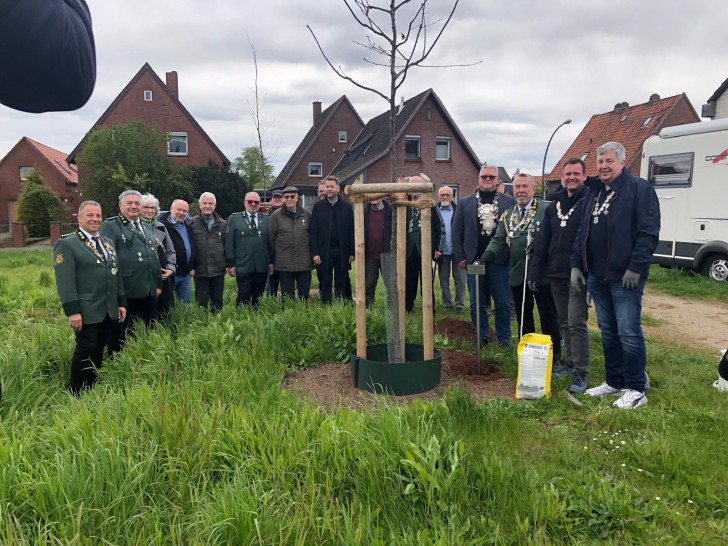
x=427, y=140
x=28, y=155
x=147, y=97
x=322, y=147
x=717, y=105
x=629, y=125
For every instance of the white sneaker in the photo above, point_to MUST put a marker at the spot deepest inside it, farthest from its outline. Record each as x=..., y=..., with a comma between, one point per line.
x=631, y=399
x=603, y=390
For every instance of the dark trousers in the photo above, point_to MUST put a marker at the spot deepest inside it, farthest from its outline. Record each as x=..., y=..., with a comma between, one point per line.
x=372, y=267
x=209, y=290
x=273, y=281
x=144, y=309
x=546, y=312
x=89, y=353
x=165, y=302
x=332, y=272
x=292, y=279
x=413, y=275
x=250, y=287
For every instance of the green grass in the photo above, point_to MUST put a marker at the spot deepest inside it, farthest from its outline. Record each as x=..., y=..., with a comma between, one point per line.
x=189, y=438
x=688, y=284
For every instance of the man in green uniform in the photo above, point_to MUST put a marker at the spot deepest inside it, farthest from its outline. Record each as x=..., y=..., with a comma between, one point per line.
x=514, y=227
x=91, y=291
x=141, y=272
x=247, y=251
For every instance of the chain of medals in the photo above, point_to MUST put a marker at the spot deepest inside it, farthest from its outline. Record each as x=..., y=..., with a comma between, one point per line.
x=604, y=208
x=414, y=221
x=89, y=243
x=250, y=225
x=518, y=226
x=487, y=214
x=564, y=217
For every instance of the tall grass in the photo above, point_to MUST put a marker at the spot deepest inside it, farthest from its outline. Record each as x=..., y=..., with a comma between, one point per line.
x=189, y=438
x=687, y=284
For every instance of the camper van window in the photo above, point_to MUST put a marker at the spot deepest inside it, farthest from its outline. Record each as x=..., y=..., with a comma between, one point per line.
x=671, y=170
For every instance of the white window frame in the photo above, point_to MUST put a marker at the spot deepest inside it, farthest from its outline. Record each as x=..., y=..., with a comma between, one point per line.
x=147, y=95
x=413, y=138
x=320, y=166
x=169, y=142
x=342, y=136
x=28, y=171
x=443, y=140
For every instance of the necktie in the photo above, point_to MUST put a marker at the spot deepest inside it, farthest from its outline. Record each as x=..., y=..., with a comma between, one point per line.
x=99, y=248
x=252, y=222
x=521, y=212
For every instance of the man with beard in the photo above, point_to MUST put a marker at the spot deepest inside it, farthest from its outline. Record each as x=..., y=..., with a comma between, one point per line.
x=551, y=258
x=474, y=224
x=514, y=227
x=619, y=232
x=448, y=265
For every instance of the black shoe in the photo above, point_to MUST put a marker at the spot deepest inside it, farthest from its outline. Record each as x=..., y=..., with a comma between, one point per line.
x=504, y=344
x=483, y=342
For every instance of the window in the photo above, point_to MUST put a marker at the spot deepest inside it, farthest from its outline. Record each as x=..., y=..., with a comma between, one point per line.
x=177, y=144
x=25, y=172
x=624, y=117
x=671, y=170
x=647, y=121
x=315, y=170
x=454, y=188
x=411, y=147
x=147, y=95
x=428, y=114
x=442, y=148
x=583, y=158
x=342, y=136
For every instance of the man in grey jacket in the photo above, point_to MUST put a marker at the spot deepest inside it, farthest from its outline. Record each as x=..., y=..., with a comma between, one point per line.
x=209, y=232
x=288, y=233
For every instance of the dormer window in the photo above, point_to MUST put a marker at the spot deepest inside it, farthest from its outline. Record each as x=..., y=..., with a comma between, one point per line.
x=147, y=96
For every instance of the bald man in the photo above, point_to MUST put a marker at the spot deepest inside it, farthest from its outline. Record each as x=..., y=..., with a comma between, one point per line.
x=179, y=227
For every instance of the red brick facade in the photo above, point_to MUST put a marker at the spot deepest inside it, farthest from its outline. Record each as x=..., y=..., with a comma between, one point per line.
x=163, y=110
x=26, y=153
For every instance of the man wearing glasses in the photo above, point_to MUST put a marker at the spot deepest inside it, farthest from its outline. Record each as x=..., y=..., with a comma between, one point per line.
x=247, y=253
x=474, y=225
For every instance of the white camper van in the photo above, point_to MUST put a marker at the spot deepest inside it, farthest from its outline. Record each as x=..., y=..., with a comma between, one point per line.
x=688, y=167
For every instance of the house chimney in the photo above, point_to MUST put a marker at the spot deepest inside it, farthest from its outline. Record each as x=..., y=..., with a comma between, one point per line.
x=654, y=97
x=316, y=112
x=621, y=106
x=172, y=83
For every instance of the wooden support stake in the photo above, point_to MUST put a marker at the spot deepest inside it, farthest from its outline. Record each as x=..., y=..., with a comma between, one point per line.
x=361, y=308
x=427, y=326
x=401, y=271
x=404, y=187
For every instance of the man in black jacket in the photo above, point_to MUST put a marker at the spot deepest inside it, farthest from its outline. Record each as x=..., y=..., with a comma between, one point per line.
x=332, y=241
x=183, y=238
x=551, y=257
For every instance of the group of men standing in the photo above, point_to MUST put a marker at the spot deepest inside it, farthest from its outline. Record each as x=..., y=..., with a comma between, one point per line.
x=596, y=233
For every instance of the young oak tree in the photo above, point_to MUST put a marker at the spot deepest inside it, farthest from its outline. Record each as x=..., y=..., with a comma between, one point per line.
x=399, y=36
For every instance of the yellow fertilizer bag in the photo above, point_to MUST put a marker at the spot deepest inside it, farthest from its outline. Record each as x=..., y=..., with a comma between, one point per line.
x=535, y=355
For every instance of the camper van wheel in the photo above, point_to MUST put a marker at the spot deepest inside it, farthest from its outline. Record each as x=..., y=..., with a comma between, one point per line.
x=715, y=267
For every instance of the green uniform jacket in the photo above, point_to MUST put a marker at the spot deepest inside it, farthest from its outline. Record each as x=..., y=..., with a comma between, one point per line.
x=247, y=250
x=138, y=261
x=517, y=243
x=86, y=282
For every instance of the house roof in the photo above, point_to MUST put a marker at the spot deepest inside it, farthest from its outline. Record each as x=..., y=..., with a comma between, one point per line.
x=718, y=92
x=56, y=159
x=624, y=124
x=172, y=96
x=295, y=160
x=372, y=143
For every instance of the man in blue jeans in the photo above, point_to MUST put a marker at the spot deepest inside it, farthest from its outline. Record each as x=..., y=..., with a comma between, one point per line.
x=473, y=226
x=618, y=234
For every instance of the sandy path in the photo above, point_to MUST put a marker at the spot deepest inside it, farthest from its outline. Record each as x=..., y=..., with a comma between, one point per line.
x=697, y=323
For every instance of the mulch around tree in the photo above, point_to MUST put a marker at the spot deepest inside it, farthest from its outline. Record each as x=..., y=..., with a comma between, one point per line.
x=329, y=383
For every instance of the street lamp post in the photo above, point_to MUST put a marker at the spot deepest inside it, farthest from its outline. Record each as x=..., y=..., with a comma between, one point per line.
x=543, y=168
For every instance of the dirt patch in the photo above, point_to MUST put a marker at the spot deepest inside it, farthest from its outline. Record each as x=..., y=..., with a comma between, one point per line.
x=330, y=383
x=696, y=323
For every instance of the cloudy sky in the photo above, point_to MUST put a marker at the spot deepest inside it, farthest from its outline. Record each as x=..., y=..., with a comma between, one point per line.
x=542, y=62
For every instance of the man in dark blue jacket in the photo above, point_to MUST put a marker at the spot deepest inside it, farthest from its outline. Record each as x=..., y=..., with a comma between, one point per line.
x=619, y=232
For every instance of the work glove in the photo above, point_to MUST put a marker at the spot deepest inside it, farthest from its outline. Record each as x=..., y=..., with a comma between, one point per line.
x=533, y=286
x=488, y=257
x=577, y=278
x=630, y=280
